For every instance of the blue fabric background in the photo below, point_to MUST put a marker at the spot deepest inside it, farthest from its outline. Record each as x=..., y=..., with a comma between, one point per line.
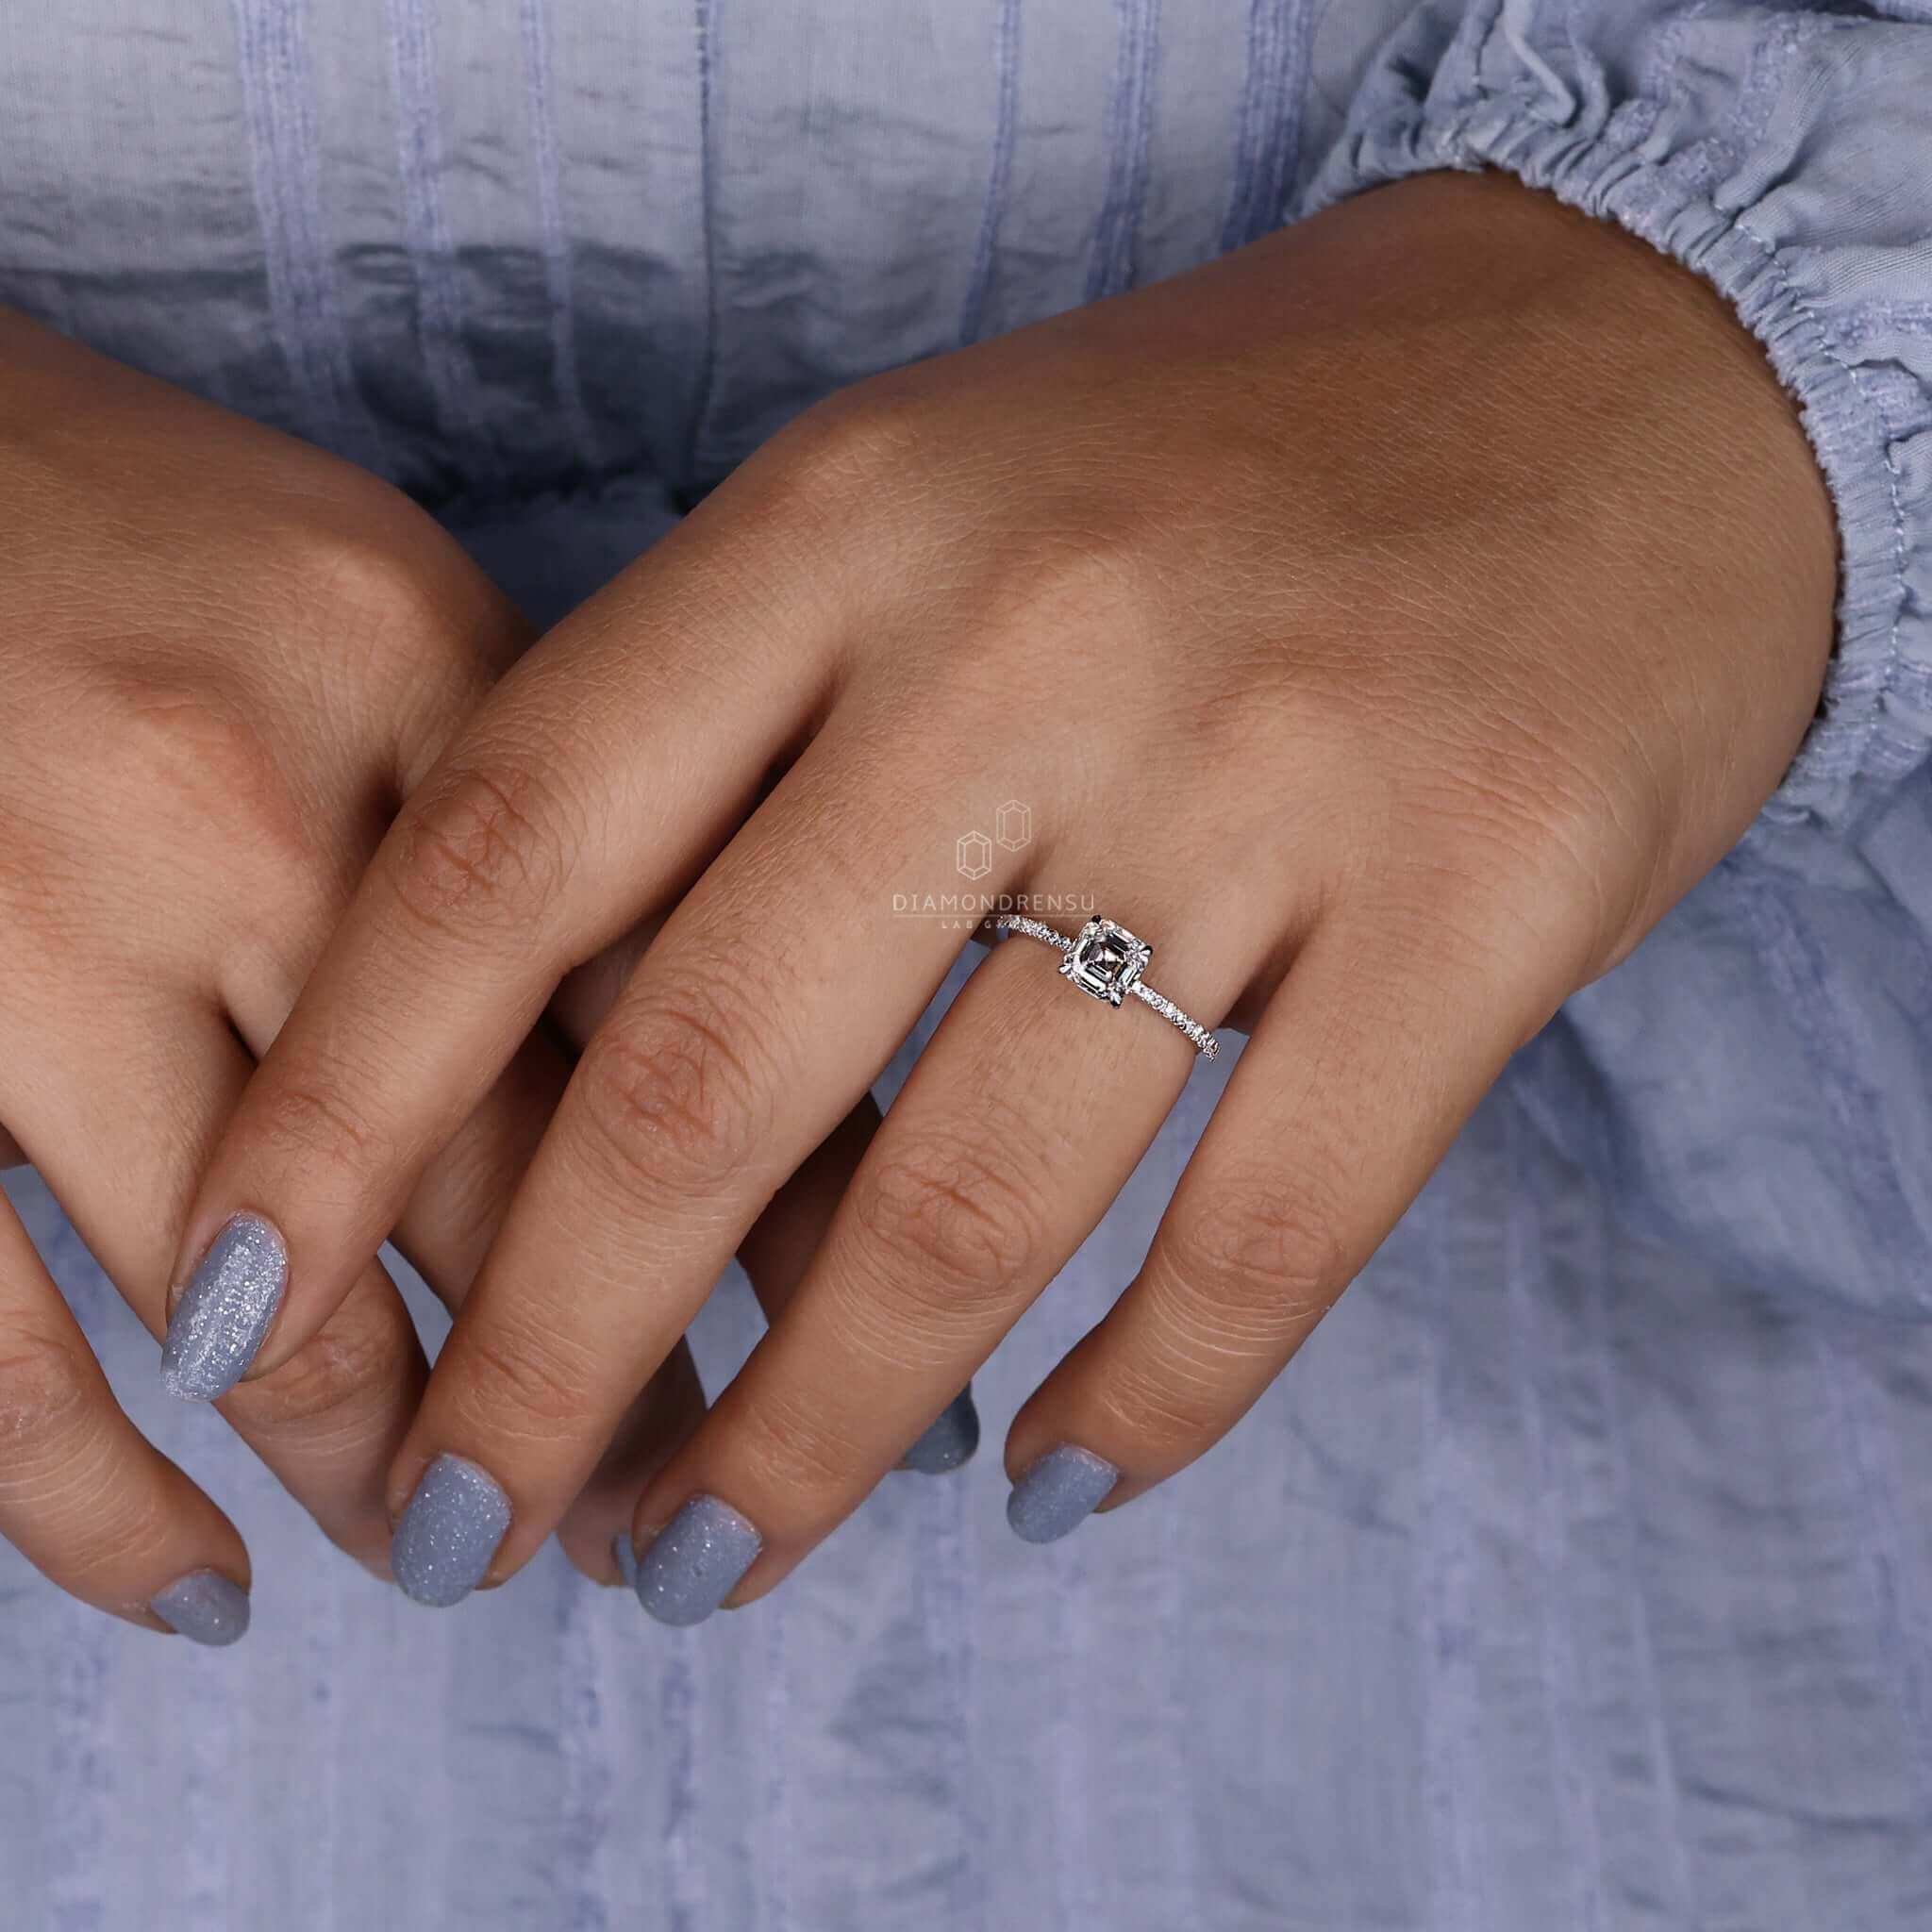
x=1580, y=1574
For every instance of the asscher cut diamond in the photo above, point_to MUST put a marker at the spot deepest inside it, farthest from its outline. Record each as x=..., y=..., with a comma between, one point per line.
x=1106, y=960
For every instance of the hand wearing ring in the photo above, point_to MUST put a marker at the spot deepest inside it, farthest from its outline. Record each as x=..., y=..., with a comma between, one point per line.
x=1327, y=650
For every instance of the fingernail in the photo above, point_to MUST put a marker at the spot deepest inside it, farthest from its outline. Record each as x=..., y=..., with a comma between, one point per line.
x=695, y=1560
x=1059, y=1493
x=625, y=1558
x=449, y=1532
x=950, y=1440
x=226, y=1309
x=203, y=1607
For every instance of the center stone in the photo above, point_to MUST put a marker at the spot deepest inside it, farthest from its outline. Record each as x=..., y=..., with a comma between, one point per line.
x=1106, y=960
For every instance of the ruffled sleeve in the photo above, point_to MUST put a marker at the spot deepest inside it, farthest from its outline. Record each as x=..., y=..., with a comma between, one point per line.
x=1784, y=152
x=1755, y=1079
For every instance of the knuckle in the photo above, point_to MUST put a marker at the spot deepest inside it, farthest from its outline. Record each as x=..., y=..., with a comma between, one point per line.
x=201, y=751
x=129, y=1527
x=859, y=462
x=1082, y=582
x=372, y=572
x=790, y=1451
x=672, y=1086
x=956, y=1220
x=362, y=564
x=49, y=1391
x=1256, y=1259
x=517, y=1381
x=481, y=850
x=336, y=1378
x=1104, y=561
x=845, y=446
x=1531, y=829
x=38, y=884
x=1482, y=897
x=1092, y=572
x=374, y=568
x=1163, y=1404
x=410, y=620
x=305, y=1121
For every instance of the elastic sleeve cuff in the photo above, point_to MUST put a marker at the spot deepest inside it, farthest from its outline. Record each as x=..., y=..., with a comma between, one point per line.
x=1786, y=156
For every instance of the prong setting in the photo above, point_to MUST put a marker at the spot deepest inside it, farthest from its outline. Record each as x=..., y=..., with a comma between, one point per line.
x=1106, y=960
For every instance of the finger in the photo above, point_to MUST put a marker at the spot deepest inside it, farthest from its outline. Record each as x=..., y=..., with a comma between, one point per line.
x=597, y=1528
x=446, y=1226
x=593, y=784
x=779, y=1248
x=1013, y=1133
x=123, y=1158
x=446, y=1230
x=719, y=1069
x=595, y=1531
x=1380, y=1042
x=449, y=1221
x=84, y=1497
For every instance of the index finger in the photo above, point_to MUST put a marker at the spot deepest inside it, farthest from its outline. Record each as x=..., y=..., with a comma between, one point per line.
x=593, y=781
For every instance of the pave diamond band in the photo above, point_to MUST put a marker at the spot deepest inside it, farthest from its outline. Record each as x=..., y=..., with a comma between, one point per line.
x=1107, y=961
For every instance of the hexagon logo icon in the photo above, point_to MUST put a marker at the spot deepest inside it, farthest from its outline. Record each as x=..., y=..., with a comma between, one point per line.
x=1014, y=825
x=973, y=855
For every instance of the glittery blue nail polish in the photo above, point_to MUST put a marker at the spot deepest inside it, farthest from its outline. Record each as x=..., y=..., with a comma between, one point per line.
x=1059, y=1493
x=205, y=1606
x=449, y=1532
x=950, y=1440
x=694, y=1562
x=222, y=1317
x=625, y=1557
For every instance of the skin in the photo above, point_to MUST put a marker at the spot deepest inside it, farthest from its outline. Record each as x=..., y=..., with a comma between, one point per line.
x=228, y=657
x=1391, y=622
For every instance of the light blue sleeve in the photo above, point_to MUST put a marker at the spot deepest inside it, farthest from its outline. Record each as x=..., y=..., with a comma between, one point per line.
x=1757, y=1079
x=1784, y=152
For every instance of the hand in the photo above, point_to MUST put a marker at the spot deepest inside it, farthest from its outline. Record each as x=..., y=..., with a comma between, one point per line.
x=227, y=657
x=1389, y=622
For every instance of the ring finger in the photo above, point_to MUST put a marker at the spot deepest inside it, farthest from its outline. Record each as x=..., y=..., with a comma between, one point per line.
x=1016, y=1129
x=595, y=1532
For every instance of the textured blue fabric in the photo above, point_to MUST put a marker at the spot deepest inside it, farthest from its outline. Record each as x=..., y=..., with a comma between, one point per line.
x=1580, y=1574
